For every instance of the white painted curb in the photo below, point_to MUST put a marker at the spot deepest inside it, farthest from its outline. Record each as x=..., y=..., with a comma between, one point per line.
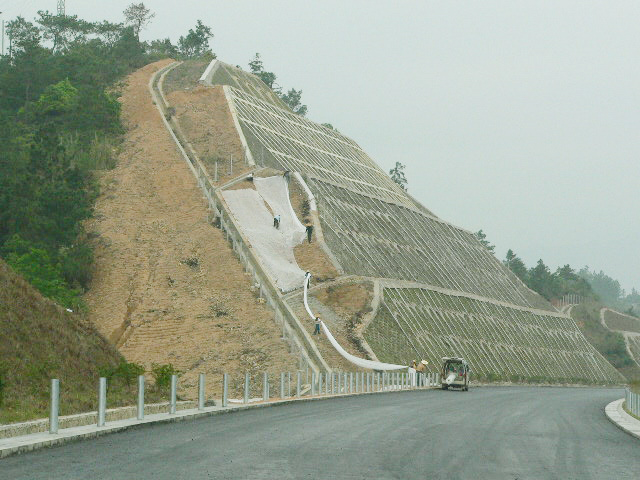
x=616, y=415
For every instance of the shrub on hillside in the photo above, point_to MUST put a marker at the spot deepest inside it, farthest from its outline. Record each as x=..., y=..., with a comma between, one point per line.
x=38, y=267
x=124, y=371
x=162, y=374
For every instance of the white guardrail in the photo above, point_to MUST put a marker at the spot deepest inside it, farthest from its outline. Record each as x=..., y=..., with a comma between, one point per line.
x=632, y=402
x=307, y=384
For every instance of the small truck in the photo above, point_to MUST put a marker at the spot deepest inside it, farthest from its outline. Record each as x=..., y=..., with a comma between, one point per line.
x=455, y=373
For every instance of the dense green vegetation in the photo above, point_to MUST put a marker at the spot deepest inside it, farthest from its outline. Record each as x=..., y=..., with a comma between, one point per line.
x=59, y=123
x=610, y=344
x=584, y=283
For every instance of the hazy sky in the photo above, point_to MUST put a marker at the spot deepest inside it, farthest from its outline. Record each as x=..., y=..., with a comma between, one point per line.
x=520, y=118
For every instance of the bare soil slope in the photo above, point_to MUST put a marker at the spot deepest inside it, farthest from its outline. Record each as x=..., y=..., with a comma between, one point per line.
x=205, y=118
x=167, y=288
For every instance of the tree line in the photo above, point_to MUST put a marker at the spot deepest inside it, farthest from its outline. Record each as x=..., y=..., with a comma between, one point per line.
x=59, y=124
x=566, y=280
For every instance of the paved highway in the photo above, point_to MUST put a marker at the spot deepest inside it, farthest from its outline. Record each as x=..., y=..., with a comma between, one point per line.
x=486, y=433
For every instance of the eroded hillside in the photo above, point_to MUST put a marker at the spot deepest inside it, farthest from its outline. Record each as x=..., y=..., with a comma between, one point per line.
x=167, y=288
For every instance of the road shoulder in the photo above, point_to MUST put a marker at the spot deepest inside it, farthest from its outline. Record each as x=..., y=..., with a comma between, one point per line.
x=616, y=415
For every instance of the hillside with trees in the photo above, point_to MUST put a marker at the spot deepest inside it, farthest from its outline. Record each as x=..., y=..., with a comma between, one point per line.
x=59, y=125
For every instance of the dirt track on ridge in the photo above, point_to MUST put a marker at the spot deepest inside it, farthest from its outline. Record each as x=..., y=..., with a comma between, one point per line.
x=167, y=288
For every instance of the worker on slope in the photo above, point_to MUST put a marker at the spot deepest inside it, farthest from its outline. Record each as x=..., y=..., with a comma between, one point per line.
x=276, y=221
x=309, y=229
x=317, y=324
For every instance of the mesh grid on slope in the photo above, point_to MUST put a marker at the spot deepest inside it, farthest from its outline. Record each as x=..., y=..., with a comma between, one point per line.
x=375, y=230
x=496, y=339
x=379, y=239
x=225, y=74
x=634, y=347
x=298, y=144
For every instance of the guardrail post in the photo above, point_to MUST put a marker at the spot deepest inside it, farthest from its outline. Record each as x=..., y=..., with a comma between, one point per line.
x=298, y=383
x=282, y=395
x=358, y=383
x=246, y=387
x=102, y=401
x=313, y=384
x=265, y=387
x=225, y=389
x=345, y=383
x=174, y=385
x=289, y=384
x=201, y=391
x=368, y=382
x=319, y=383
x=140, y=397
x=55, y=405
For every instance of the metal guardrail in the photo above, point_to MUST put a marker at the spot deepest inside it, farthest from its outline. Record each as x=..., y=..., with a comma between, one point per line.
x=323, y=384
x=632, y=402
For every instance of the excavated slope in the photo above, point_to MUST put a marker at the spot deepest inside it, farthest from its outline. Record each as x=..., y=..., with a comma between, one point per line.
x=167, y=288
x=442, y=292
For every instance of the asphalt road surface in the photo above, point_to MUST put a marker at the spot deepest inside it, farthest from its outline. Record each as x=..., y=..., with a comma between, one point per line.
x=486, y=433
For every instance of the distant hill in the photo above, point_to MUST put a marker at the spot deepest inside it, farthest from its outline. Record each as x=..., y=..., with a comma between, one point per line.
x=615, y=335
x=41, y=340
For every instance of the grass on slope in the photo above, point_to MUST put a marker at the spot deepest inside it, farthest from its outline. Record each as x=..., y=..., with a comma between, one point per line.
x=40, y=340
x=185, y=77
x=610, y=344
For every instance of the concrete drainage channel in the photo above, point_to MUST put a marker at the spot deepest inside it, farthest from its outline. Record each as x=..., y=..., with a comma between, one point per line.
x=19, y=439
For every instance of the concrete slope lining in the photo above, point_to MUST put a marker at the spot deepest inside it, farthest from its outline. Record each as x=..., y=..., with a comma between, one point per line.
x=360, y=362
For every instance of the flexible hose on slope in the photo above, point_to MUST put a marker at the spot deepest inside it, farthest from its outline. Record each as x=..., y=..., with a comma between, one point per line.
x=360, y=362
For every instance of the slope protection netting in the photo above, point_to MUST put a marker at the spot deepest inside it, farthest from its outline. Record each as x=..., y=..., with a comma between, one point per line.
x=273, y=246
x=374, y=238
x=507, y=342
x=220, y=73
x=294, y=143
x=374, y=227
x=619, y=321
x=634, y=347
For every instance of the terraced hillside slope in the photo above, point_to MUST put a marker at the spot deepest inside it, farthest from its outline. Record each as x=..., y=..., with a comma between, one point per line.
x=617, y=346
x=437, y=290
x=167, y=287
x=41, y=340
x=628, y=325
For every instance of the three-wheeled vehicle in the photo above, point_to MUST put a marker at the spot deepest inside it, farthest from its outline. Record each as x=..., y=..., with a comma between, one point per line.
x=455, y=373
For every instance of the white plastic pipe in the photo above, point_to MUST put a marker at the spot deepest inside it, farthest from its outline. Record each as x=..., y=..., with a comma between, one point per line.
x=361, y=362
